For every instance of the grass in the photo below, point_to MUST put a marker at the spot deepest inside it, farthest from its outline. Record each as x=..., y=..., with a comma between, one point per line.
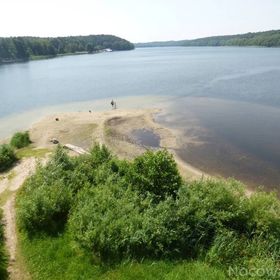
x=108, y=131
x=4, y=196
x=59, y=258
x=3, y=253
x=31, y=152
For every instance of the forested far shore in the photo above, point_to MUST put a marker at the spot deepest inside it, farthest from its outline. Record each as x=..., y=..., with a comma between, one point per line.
x=24, y=48
x=261, y=39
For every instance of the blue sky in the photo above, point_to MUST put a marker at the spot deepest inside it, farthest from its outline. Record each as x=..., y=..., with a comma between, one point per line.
x=138, y=21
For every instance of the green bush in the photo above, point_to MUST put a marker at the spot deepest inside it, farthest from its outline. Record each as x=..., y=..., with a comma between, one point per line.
x=156, y=173
x=99, y=155
x=20, y=140
x=46, y=197
x=263, y=212
x=106, y=219
x=44, y=208
x=117, y=210
x=183, y=227
x=124, y=224
x=7, y=157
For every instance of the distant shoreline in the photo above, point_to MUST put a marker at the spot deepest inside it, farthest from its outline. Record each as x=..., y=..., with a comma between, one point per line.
x=25, y=48
x=45, y=57
x=258, y=39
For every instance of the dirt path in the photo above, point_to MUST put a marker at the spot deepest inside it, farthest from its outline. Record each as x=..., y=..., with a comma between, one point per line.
x=11, y=239
x=12, y=182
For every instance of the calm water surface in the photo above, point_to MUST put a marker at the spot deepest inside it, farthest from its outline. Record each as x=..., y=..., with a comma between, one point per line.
x=146, y=138
x=227, y=100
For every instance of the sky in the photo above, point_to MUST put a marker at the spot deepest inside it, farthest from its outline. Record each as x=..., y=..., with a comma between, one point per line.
x=137, y=20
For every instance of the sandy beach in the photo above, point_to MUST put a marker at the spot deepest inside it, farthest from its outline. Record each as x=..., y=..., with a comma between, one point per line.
x=114, y=128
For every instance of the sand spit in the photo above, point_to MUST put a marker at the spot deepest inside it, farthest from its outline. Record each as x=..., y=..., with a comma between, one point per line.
x=113, y=128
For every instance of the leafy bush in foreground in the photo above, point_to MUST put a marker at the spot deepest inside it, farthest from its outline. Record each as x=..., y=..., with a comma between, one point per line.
x=46, y=197
x=126, y=225
x=156, y=173
x=117, y=210
x=20, y=140
x=7, y=157
x=110, y=232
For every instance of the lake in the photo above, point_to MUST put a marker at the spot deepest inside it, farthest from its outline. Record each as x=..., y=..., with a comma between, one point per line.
x=225, y=100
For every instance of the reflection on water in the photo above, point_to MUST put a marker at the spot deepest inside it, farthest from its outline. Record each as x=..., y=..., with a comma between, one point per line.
x=229, y=138
x=145, y=137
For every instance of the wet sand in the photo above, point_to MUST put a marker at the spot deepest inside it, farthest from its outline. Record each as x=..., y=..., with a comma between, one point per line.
x=24, y=120
x=228, y=139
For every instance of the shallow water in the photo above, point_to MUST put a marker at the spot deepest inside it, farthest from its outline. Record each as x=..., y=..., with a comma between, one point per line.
x=16, y=122
x=145, y=137
x=229, y=138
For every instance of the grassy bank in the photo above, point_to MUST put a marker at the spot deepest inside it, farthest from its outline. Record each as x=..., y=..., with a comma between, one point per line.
x=59, y=258
x=3, y=253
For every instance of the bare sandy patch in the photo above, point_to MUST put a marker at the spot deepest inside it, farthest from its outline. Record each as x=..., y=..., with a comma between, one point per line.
x=113, y=128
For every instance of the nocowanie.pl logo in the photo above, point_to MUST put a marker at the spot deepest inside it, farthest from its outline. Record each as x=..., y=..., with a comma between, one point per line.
x=268, y=273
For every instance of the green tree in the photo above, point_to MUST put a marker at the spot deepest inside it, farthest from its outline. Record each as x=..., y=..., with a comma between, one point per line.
x=20, y=140
x=7, y=157
x=156, y=173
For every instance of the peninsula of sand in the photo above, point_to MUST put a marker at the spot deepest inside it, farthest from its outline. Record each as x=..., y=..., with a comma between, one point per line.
x=114, y=128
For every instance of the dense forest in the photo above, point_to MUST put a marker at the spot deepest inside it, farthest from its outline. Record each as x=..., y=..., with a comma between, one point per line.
x=262, y=39
x=25, y=48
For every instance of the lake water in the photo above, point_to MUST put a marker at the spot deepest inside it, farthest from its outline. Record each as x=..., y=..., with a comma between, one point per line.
x=226, y=100
x=146, y=138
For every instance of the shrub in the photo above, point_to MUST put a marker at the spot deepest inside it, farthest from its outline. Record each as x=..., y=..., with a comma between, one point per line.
x=99, y=155
x=156, y=173
x=263, y=212
x=106, y=219
x=114, y=221
x=43, y=207
x=118, y=210
x=219, y=200
x=46, y=197
x=20, y=140
x=7, y=157
x=228, y=248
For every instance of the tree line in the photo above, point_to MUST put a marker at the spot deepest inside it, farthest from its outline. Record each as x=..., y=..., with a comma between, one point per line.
x=25, y=48
x=262, y=39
